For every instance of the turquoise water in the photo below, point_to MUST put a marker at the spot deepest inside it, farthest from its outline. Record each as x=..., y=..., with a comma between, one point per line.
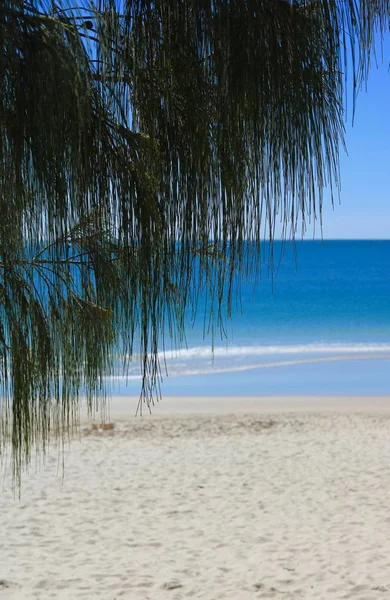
x=321, y=325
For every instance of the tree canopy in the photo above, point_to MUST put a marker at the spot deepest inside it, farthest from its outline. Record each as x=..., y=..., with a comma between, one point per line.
x=142, y=144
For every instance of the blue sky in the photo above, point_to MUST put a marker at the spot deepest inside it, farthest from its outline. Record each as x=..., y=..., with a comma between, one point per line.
x=364, y=211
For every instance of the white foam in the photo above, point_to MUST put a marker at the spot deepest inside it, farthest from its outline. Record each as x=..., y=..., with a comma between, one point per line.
x=242, y=351
x=213, y=369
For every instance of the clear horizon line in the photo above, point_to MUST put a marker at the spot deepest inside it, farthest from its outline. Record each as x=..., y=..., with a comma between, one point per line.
x=331, y=239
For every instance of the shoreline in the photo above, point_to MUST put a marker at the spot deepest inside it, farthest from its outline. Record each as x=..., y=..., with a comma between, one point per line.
x=124, y=407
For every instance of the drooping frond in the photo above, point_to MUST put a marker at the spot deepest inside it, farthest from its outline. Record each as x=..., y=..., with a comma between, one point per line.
x=143, y=144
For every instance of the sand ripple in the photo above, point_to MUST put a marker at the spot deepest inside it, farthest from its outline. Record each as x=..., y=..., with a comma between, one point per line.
x=280, y=506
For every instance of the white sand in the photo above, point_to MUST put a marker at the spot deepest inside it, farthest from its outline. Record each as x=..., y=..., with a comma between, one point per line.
x=284, y=499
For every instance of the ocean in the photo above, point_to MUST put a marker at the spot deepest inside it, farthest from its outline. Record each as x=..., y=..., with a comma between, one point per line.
x=319, y=325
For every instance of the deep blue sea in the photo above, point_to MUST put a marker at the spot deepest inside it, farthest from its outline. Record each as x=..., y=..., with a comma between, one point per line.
x=320, y=325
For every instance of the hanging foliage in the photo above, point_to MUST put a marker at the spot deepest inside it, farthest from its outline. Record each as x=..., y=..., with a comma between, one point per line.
x=146, y=150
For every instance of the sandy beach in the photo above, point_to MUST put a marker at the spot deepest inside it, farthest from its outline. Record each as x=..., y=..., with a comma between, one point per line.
x=212, y=498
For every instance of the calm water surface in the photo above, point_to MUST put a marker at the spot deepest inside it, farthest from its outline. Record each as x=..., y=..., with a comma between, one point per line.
x=322, y=326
